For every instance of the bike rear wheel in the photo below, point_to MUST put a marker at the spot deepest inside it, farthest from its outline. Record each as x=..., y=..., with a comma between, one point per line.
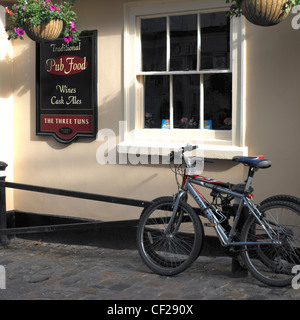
x=169, y=253
x=272, y=263
x=281, y=197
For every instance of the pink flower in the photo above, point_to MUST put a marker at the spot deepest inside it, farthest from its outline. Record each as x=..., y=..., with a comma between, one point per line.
x=19, y=31
x=67, y=39
x=228, y=121
x=184, y=120
x=52, y=8
x=72, y=27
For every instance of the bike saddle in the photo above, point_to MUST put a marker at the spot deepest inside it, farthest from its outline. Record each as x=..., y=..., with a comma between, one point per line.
x=258, y=162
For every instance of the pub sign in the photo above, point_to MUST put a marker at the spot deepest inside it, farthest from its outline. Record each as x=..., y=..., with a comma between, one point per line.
x=66, y=88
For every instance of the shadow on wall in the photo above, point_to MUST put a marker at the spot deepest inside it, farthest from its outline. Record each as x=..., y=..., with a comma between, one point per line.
x=18, y=65
x=6, y=66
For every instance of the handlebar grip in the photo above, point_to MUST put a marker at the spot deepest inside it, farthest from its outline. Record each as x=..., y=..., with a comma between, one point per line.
x=181, y=151
x=189, y=147
x=172, y=157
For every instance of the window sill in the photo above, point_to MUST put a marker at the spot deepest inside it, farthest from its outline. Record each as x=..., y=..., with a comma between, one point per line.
x=164, y=148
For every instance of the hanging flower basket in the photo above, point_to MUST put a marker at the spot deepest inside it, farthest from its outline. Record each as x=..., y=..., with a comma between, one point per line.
x=264, y=12
x=44, y=32
x=42, y=20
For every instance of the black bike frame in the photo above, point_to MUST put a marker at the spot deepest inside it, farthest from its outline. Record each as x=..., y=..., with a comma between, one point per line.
x=209, y=213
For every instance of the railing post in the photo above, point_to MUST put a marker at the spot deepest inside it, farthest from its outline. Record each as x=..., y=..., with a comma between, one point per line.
x=3, y=221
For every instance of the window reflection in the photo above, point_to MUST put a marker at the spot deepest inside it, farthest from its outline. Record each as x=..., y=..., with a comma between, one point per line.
x=157, y=103
x=153, y=34
x=186, y=101
x=217, y=101
x=215, y=41
x=181, y=46
x=183, y=37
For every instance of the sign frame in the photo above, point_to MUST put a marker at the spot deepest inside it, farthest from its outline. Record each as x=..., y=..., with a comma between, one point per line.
x=67, y=109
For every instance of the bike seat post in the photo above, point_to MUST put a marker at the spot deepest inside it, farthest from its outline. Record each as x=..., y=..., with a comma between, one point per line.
x=249, y=178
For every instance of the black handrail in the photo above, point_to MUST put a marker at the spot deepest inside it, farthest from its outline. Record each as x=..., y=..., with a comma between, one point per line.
x=76, y=194
x=90, y=224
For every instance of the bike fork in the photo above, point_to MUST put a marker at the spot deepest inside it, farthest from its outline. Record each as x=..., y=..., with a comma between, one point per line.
x=175, y=207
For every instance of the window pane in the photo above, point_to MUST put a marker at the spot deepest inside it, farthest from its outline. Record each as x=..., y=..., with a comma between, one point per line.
x=183, y=35
x=217, y=101
x=157, y=102
x=154, y=35
x=215, y=41
x=186, y=101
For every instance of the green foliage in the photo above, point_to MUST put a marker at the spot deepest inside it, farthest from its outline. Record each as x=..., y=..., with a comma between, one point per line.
x=235, y=8
x=37, y=11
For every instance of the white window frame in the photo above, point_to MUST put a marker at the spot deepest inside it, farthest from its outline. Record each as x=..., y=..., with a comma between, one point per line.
x=215, y=143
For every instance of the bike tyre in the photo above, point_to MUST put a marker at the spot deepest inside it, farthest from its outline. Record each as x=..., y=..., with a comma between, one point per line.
x=164, y=254
x=281, y=197
x=273, y=257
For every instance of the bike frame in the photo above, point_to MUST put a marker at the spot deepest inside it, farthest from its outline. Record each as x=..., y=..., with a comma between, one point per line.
x=188, y=186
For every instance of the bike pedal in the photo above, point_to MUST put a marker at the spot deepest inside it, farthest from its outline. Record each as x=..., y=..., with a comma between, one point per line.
x=211, y=225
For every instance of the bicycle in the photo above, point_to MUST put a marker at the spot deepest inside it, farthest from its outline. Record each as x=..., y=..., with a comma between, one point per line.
x=170, y=233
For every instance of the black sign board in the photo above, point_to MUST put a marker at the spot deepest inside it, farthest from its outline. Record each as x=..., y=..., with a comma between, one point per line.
x=66, y=88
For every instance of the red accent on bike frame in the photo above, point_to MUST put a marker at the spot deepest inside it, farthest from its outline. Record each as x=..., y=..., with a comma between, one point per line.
x=201, y=178
x=204, y=179
x=184, y=181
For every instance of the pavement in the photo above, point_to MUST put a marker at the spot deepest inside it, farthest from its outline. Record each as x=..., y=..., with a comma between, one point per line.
x=36, y=270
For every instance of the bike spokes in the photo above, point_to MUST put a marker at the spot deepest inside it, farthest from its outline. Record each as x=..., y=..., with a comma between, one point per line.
x=272, y=263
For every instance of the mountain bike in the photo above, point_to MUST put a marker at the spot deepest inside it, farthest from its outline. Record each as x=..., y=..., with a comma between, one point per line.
x=265, y=237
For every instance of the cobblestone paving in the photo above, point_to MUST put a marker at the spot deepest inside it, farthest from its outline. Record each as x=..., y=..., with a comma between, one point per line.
x=36, y=270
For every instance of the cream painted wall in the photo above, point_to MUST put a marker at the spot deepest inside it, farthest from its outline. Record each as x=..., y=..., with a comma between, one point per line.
x=273, y=104
x=6, y=105
x=42, y=161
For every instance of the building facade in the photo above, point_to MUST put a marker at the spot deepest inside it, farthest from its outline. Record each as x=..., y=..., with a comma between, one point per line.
x=169, y=73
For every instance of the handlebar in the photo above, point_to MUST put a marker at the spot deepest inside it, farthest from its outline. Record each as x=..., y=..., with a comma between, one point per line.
x=187, y=160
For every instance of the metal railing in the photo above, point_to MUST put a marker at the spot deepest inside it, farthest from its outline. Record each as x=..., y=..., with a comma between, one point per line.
x=5, y=231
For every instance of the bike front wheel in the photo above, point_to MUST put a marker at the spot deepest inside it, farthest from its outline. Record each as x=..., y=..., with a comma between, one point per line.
x=272, y=263
x=169, y=251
